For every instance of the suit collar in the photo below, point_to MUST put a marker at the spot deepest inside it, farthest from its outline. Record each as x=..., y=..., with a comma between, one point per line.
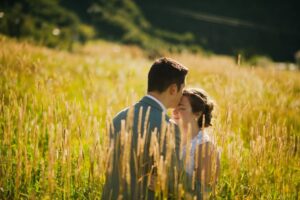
x=149, y=100
x=153, y=103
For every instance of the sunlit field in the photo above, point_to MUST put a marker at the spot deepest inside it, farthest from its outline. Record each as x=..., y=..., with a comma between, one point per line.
x=55, y=105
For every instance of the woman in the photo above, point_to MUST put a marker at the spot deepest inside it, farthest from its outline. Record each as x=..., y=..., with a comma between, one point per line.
x=201, y=160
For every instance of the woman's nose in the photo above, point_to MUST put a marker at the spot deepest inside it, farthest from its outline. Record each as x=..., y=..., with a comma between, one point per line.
x=175, y=111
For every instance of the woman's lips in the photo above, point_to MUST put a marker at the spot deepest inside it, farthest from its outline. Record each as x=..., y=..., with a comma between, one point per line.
x=176, y=118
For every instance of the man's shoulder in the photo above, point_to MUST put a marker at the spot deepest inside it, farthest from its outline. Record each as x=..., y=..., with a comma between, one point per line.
x=121, y=114
x=136, y=108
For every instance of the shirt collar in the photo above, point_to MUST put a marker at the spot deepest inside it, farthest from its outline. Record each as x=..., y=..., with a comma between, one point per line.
x=157, y=101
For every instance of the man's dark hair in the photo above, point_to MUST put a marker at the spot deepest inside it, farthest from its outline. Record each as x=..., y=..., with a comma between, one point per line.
x=165, y=72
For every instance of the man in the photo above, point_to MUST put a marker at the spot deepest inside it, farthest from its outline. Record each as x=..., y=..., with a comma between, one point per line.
x=142, y=133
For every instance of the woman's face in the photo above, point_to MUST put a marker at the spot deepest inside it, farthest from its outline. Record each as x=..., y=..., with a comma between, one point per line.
x=183, y=112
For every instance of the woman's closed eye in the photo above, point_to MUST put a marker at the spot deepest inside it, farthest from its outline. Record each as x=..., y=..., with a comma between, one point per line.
x=181, y=108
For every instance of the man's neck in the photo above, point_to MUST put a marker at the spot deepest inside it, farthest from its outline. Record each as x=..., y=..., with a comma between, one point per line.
x=159, y=97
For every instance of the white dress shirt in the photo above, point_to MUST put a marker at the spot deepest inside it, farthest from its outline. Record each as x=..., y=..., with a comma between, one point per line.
x=157, y=101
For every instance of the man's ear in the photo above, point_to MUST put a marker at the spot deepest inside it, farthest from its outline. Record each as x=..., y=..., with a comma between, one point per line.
x=173, y=89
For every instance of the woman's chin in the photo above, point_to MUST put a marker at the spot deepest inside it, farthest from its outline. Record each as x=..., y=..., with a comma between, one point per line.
x=176, y=120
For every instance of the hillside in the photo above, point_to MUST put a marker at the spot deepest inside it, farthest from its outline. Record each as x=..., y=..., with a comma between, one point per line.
x=250, y=28
x=55, y=104
x=267, y=28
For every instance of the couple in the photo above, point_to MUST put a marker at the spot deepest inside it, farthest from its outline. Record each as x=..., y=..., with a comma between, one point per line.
x=155, y=157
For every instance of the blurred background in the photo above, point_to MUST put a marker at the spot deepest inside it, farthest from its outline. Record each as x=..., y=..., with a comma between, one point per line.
x=268, y=29
x=55, y=102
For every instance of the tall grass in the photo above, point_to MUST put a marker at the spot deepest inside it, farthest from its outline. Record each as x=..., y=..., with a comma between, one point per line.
x=54, y=107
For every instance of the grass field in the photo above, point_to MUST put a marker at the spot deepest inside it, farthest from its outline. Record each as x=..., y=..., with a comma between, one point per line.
x=54, y=107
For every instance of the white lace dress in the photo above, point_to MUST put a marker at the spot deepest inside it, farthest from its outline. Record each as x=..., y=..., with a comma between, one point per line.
x=200, y=138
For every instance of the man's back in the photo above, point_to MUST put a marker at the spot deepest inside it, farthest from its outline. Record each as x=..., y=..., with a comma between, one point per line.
x=133, y=157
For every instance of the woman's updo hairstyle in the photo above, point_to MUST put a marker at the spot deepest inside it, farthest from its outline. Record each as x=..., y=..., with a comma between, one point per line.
x=200, y=103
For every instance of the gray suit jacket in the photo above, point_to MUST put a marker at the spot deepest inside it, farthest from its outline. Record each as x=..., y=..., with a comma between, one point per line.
x=135, y=118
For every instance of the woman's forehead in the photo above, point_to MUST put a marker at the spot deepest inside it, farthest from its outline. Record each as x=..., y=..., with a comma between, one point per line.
x=184, y=101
